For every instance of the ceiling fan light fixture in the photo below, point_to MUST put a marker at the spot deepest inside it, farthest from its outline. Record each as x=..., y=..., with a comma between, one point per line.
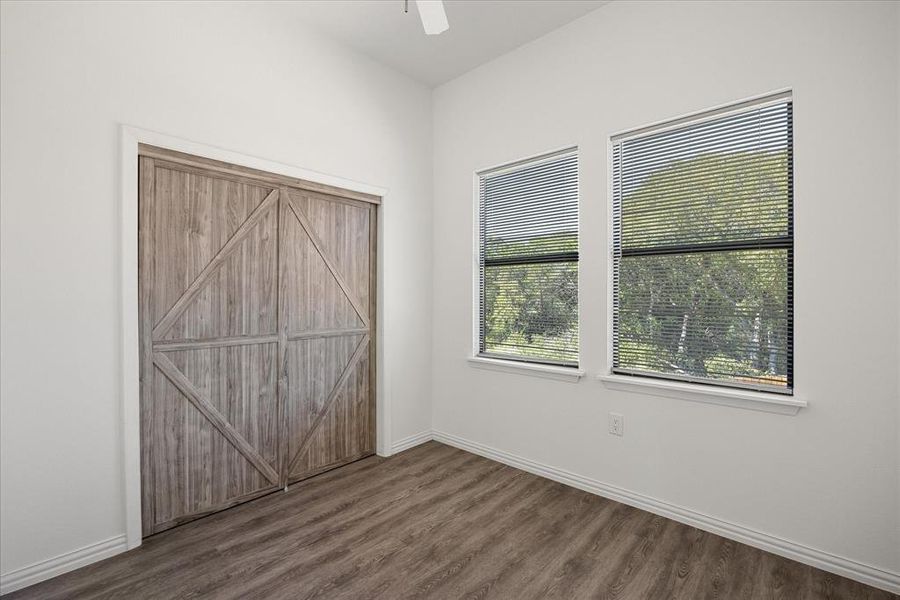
x=434, y=18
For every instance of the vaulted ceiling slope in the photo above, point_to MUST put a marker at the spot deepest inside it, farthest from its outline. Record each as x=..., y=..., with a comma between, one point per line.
x=480, y=30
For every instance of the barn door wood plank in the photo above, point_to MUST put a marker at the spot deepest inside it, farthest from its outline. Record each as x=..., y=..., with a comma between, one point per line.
x=282, y=326
x=219, y=342
x=219, y=168
x=146, y=193
x=324, y=333
x=371, y=432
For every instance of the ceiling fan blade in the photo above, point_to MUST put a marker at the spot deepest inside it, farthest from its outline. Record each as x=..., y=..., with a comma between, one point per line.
x=434, y=19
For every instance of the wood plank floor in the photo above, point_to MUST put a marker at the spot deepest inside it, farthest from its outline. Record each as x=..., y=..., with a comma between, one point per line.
x=437, y=522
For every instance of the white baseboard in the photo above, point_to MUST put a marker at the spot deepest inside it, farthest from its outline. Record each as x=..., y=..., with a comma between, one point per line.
x=40, y=571
x=411, y=441
x=844, y=567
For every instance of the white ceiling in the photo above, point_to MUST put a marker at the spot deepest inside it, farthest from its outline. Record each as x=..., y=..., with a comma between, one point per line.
x=480, y=30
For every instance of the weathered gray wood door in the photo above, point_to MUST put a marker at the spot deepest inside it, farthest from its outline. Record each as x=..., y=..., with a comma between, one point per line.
x=257, y=307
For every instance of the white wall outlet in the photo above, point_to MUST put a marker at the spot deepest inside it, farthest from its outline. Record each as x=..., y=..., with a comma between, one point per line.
x=616, y=424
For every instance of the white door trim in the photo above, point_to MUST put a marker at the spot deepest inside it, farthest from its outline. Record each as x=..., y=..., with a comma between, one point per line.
x=129, y=139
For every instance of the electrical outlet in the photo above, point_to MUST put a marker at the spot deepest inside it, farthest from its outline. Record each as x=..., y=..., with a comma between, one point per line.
x=616, y=424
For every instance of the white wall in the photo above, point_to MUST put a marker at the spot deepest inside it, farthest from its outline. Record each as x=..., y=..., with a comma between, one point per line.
x=826, y=478
x=241, y=77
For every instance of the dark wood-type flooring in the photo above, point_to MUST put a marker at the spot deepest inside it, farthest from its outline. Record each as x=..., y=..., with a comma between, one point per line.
x=437, y=522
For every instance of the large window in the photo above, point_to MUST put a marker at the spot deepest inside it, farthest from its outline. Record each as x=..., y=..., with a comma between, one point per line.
x=528, y=255
x=703, y=243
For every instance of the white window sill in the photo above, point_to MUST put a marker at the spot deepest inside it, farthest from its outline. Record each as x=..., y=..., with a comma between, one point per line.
x=748, y=399
x=522, y=368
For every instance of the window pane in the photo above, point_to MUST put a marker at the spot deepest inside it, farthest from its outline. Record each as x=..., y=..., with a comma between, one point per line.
x=709, y=198
x=532, y=210
x=532, y=311
x=703, y=250
x=528, y=240
x=716, y=315
x=721, y=181
x=536, y=246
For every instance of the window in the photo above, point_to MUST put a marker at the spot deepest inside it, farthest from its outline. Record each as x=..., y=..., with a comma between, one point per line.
x=703, y=241
x=528, y=260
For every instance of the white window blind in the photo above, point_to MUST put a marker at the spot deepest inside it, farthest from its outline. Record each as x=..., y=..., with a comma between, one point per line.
x=528, y=260
x=703, y=239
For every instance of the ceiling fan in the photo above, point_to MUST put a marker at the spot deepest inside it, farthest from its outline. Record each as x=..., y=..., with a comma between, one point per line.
x=434, y=18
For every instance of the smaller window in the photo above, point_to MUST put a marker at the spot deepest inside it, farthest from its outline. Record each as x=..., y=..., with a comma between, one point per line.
x=528, y=260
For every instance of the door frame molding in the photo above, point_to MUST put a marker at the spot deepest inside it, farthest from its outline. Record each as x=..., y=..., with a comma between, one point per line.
x=129, y=139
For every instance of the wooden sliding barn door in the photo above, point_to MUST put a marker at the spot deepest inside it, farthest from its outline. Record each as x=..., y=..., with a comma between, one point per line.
x=326, y=301
x=257, y=309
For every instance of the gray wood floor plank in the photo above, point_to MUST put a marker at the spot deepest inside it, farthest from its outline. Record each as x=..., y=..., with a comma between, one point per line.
x=437, y=522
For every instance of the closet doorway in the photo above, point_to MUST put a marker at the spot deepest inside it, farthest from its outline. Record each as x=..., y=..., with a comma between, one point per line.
x=257, y=333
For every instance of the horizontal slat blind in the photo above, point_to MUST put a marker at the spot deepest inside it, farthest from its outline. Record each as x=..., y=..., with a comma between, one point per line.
x=703, y=250
x=529, y=260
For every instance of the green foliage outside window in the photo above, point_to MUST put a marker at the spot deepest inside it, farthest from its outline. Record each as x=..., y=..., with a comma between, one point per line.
x=715, y=314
